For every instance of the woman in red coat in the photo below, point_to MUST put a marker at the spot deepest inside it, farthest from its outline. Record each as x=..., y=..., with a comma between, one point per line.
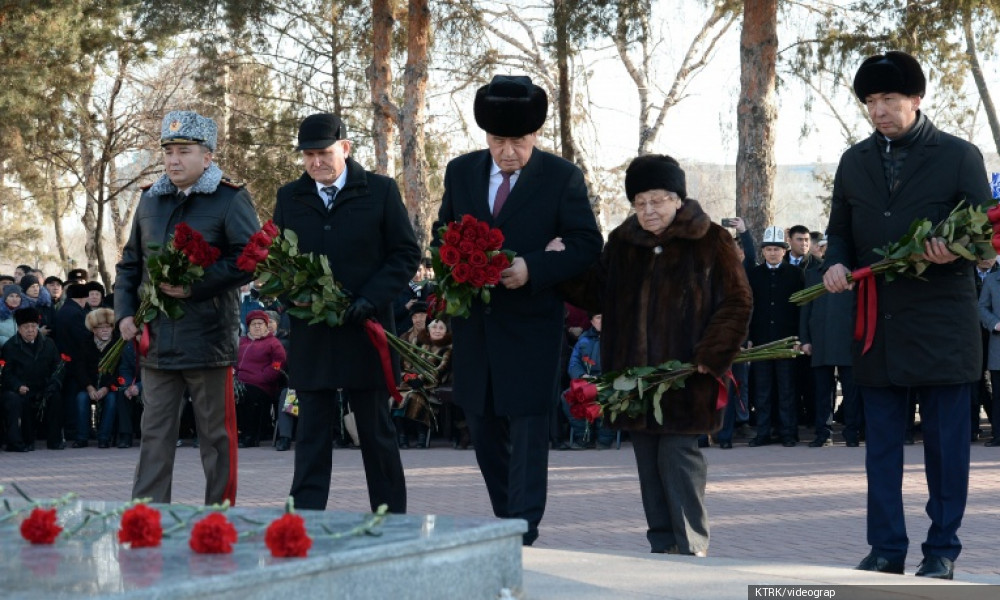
x=260, y=370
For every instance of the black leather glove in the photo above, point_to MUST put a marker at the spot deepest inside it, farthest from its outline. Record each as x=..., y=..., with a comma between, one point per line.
x=359, y=311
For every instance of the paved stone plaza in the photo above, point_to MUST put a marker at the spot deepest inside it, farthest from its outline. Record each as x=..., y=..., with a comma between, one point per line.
x=783, y=505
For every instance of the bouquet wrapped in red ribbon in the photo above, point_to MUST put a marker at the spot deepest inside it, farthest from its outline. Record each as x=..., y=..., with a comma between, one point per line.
x=637, y=390
x=180, y=262
x=274, y=258
x=468, y=263
x=971, y=232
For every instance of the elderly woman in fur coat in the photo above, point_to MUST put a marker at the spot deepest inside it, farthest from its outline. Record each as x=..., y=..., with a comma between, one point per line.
x=670, y=286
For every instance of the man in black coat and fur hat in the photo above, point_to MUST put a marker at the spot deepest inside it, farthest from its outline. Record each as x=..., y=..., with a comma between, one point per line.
x=355, y=218
x=507, y=353
x=29, y=379
x=924, y=340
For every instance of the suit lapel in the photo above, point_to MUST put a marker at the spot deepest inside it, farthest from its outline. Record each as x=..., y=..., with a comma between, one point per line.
x=478, y=205
x=872, y=164
x=305, y=192
x=528, y=180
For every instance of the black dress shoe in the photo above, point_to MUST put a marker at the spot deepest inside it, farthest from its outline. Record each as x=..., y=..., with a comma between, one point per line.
x=283, y=444
x=853, y=443
x=880, y=564
x=726, y=445
x=788, y=442
x=760, y=441
x=103, y=444
x=937, y=567
x=16, y=447
x=820, y=443
x=59, y=446
x=993, y=443
x=125, y=440
x=80, y=444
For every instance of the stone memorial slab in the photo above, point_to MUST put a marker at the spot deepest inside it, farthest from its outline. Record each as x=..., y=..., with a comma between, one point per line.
x=409, y=557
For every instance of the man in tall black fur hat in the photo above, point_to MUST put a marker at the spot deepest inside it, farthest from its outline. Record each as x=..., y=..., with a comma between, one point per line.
x=923, y=339
x=507, y=353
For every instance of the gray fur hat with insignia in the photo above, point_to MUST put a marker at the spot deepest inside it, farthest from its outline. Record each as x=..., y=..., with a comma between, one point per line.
x=188, y=127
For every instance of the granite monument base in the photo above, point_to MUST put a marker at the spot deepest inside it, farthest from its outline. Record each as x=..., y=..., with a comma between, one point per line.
x=406, y=556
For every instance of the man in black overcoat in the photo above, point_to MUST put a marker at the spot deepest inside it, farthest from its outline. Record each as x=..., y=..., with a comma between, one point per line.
x=926, y=331
x=355, y=218
x=507, y=353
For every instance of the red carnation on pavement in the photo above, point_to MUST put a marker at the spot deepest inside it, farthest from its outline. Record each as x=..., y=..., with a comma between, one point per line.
x=213, y=535
x=287, y=537
x=40, y=527
x=141, y=527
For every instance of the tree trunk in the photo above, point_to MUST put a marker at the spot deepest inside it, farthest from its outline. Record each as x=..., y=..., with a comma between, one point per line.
x=415, y=190
x=756, y=114
x=977, y=75
x=380, y=75
x=564, y=94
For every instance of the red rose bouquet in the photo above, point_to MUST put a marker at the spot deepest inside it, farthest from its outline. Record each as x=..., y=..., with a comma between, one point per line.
x=181, y=262
x=307, y=280
x=468, y=263
x=971, y=232
x=637, y=390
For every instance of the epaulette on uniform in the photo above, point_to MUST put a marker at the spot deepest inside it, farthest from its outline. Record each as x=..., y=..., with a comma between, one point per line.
x=229, y=182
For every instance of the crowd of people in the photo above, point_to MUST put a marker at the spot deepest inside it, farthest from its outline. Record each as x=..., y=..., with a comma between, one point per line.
x=669, y=284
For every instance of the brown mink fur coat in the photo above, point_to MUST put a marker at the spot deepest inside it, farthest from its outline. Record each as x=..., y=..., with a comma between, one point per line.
x=683, y=295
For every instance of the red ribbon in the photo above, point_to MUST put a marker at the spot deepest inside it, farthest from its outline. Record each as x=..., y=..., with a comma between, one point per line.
x=143, y=341
x=722, y=399
x=865, y=321
x=376, y=334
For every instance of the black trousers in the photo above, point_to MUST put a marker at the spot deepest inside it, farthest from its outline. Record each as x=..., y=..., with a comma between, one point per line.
x=318, y=413
x=21, y=415
x=513, y=456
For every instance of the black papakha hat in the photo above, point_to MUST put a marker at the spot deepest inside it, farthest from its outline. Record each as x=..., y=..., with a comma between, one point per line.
x=510, y=106
x=655, y=172
x=893, y=71
x=319, y=131
x=29, y=314
x=76, y=290
x=77, y=275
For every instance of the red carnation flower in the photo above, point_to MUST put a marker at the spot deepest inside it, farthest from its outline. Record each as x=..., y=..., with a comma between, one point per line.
x=40, y=527
x=478, y=259
x=66, y=358
x=496, y=239
x=450, y=255
x=500, y=261
x=492, y=275
x=452, y=237
x=270, y=229
x=477, y=278
x=121, y=380
x=461, y=272
x=276, y=366
x=213, y=535
x=287, y=537
x=141, y=527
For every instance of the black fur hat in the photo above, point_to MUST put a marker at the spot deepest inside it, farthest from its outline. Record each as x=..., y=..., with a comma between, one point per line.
x=510, y=106
x=27, y=315
x=893, y=71
x=75, y=291
x=95, y=286
x=654, y=172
